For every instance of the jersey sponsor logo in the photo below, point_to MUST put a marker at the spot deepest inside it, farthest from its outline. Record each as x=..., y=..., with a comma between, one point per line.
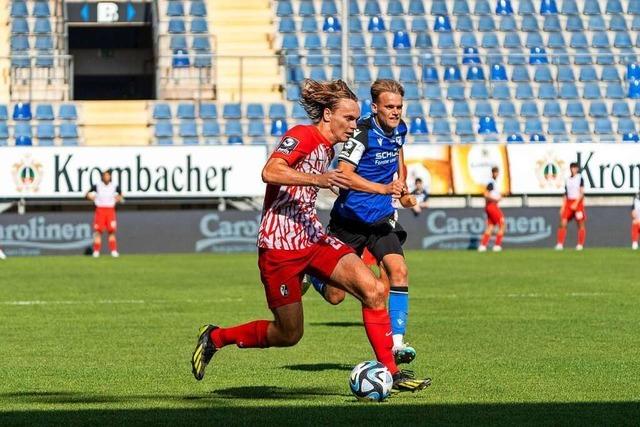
x=284, y=291
x=287, y=145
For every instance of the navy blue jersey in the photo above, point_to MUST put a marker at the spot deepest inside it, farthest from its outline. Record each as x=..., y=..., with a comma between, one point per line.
x=375, y=157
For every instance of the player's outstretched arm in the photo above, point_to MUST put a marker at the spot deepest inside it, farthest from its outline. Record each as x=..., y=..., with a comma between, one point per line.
x=358, y=183
x=278, y=172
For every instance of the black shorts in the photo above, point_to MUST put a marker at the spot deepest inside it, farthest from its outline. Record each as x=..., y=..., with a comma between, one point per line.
x=381, y=238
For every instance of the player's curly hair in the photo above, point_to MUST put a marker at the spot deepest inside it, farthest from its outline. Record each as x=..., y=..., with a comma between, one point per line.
x=385, y=85
x=316, y=96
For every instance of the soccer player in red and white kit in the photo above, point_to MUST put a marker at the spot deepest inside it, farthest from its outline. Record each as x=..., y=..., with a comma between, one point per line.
x=105, y=195
x=2, y=255
x=292, y=241
x=635, y=221
x=573, y=208
x=495, y=217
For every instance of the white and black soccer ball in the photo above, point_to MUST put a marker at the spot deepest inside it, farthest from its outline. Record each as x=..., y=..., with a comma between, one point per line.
x=371, y=381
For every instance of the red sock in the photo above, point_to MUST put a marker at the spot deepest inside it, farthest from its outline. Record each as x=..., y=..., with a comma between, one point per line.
x=113, y=244
x=635, y=232
x=96, y=247
x=562, y=234
x=499, y=239
x=249, y=335
x=378, y=327
x=485, y=239
x=582, y=236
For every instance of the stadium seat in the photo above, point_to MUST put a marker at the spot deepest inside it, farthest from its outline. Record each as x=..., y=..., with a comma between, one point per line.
x=309, y=24
x=483, y=109
x=19, y=26
x=177, y=26
x=385, y=72
x=524, y=91
x=210, y=131
x=500, y=91
x=365, y=107
x=331, y=24
x=437, y=110
x=298, y=112
x=464, y=127
x=514, y=138
x=551, y=109
x=278, y=127
x=625, y=126
x=630, y=137
x=529, y=109
x=455, y=92
x=208, y=111
x=504, y=7
x=68, y=130
x=328, y=7
x=620, y=109
x=233, y=128
x=418, y=126
x=525, y=7
x=579, y=127
x=379, y=41
x=41, y=9
x=178, y=42
x=200, y=26
x=441, y=127
x=487, y=125
x=19, y=9
x=186, y=111
x=161, y=111
x=45, y=132
x=255, y=128
x=394, y=8
x=175, y=8
x=574, y=109
x=198, y=8
x=478, y=91
x=537, y=137
x=598, y=109
x=19, y=43
x=23, y=141
x=201, y=43
x=202, y=59
x=163, y=140
x=461, y=7
x=22, y=128
x=22, y=111
x=416, y=7
x=461, y=109
x=284, y=8
x=419, y=25
x=533, y=125
x=372, y=8
x=401, y=40
x=506, y=109
x=255, y=111
x=603, y=126
x=511, y=127
x=180, y=59
x=231, y=111
x=4, y=113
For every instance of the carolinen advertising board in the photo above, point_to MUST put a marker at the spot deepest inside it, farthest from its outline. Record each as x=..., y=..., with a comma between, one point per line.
x=190, y=231
x=606, y=168
x=171, y=172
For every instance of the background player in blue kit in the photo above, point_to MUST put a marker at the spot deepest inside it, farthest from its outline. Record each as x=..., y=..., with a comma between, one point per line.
x=363, y=216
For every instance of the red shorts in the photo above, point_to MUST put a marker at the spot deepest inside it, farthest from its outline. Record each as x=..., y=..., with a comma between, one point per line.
x=105, y=220
x=282, y=271
x=494, y=214
x=579, y=214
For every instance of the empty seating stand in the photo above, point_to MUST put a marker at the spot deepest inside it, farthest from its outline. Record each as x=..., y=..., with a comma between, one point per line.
x=42, y=124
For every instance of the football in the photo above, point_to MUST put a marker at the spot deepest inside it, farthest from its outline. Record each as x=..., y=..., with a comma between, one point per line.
x=370, y=381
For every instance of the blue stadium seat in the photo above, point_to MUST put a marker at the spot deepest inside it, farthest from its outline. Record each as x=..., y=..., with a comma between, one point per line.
x=460, y=7
x=318, y=73
x=175, y=8
x=200, y=26
x=394, y=8
x=614, y=91
x=293, y=92
x=547, y=91
x=580, y=127
x=437, y=110
x=464, y=127
x=284, y=8
x=465, y=24
x=556, y=40
x=626, y=125
x=556, y=127
x=622, y=40
x=202, y=59
x=486, y=24
x=19, y=9
x=201, y=43
x=478, y=91
x=68, y=130
x=483, y=109
x=529, y=109
x=514, y=138
x=210, y=131
x=328, y=7
x=177, y=26
x=504, y=7
x=500, y=91
x=620, y=109
x=22, y=111
x=542, y=74
x=537, y=137
x=188, y=130
x=529, y=24
x=475, y=73
x=533, y=125
x=309, y=24
x=511, y=127
x=634, y=89
x=331, y=24
x=255, y=111
x=568, y=91
x=4, y=114
x=355, y=25
x=419, y=25
x=452, y=74
x=574, y=109
x=42, y=26
x=520, y=74
x=354, y=8
x=198, y=8
x=376, y=24
x=432, y=92
x=180, y=59
x=418, y=126
x=446, y=41
x=255, y=128
x=525, y=7
x=372, y=8
x=67, y=112
x=23, y=141
x=362, y=75
x=591, y=91
x=19, y=43
x=565, y=74
x=548, y=7
x=613, y=7
x=379, y=41
x=487, y=125
x=461, y=109
x=19, y=26
x=278, y=127
x=411, y=91
x=441, y=127
x=455, y=92
x=232, y=111
x=603, y=126
x=44, y=42
x=551, y=109
x=551, y=24
x=401, y=40
x=44, y=112
x=233, y=128
x=498, y=73
x=524, y=91
x=506, y=109
x=507, y=24
x=600, y=40
x=290, y=41
x=442, y=24
x=365, y=107
x=178, y=42
x=598, y=109
x=482, y=8
x=397, y=24
x=490, y=41
x=161, y=111
x=277, y=111
x=163, y=129
x=41, y=9
x=385, y=72
x=186, y=111
x=630, y=137
x=538, y=56
x=416, y=7
x=208, y=111
x=617, y=23
x=45, y=131
x=591, y=7
x=634, y=7
x=407, y=75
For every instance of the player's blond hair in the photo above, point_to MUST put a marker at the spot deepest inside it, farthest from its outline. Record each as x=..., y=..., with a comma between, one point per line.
x=316, y=96
x=385, y=85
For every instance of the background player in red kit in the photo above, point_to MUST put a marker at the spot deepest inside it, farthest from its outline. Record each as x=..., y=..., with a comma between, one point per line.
x=635, y=221
x=573, y=208
x=105, y=195
x=495, y=217
x=292, y=241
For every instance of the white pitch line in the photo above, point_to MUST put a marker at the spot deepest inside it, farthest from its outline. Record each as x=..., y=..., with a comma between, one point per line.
x=116, y=302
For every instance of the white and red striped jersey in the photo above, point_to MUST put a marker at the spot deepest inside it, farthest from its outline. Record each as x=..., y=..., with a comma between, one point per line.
x=573, y=185
x=105, y=194
x=289, y=217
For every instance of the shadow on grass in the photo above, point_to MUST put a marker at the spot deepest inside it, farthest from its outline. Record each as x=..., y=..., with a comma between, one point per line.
x=319, y=367
x=338, y=324
x=518, y=414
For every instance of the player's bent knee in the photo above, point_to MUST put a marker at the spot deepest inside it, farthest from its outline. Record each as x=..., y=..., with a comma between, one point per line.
x=291, y=338
x=374, y=296
x=334, y=296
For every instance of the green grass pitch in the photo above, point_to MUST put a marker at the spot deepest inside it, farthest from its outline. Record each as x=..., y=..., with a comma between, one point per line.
x=523, y=337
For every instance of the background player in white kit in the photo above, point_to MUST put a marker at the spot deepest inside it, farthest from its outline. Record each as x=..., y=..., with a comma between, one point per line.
x=105, y=195
x=635, y=221
x=573, y=208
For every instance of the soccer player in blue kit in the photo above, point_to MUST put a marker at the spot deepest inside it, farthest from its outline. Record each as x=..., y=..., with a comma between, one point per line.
x=364, y=216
